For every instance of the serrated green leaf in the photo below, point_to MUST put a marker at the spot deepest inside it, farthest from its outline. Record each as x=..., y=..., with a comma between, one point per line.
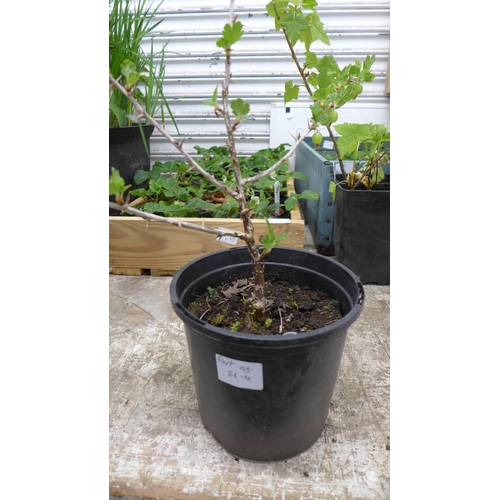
x=308, y=194
x=213, y=100
x=271, y=239
x=200, y=204
x=306, y=38
x=317, y=30
x=309, y=4
x=116, y=183
x=291, y=91
x=299, y=175
x=129, y=70
x=141, y=176
x=240, y=108
x=352, y=135
x=290, y=203
x=320, y=115
x=328, y=71
x=294, y=24
x=311, y=59
x=313, y=79
x=280, y=6
x=230, y=35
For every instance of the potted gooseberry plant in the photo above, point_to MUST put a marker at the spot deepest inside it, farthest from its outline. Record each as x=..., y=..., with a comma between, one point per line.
x=337, y=223
x=265, y=325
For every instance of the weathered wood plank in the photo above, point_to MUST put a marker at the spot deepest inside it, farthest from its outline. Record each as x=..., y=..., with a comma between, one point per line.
x=136, y=245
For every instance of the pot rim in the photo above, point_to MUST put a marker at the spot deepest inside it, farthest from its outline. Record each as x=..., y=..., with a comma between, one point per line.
x=287, y=340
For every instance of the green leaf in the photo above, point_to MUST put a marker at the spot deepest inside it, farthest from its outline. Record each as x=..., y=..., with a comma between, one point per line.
x=119, y=113
x=116, y=183
x=129, y=70
x=141, y=176
x=271, y=239
x=308, y=194
x=299, y=175
x=291, y=91
x=240, y=108
x=328, y=70
x=317, y=31
x=309, y=4
x=313, y=79
x=290, y=203
x=322, y=116
x=311, y=58
x=294, y=25
x=200, y=204
x=280, y=6
x=352, y=135
x=230, y=35
x=213, y=100
x=306, y=38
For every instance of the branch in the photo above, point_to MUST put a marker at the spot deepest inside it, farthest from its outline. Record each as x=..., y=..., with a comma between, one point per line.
x=309, y=90
x=175, y=142
x=227, y=118
x=270, y=170
x=177, y=222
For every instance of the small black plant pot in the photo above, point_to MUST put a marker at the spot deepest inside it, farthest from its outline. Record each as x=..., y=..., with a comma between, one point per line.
x=362, y=232
x=127, y=152
x=265, y=398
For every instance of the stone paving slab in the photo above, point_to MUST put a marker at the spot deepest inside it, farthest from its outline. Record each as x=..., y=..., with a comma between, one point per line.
x=160, y=449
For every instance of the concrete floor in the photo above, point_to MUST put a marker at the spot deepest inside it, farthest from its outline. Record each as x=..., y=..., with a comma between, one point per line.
x=160, y=449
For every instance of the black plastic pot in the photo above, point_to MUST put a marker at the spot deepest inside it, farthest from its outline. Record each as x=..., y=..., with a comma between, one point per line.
x=265, y=397
x=362, y=232
x=127, y=152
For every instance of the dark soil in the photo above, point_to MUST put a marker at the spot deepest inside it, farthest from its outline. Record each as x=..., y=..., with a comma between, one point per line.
x=291, y=308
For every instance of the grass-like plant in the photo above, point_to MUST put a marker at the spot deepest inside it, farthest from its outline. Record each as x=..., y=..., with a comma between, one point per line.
x=129, y=23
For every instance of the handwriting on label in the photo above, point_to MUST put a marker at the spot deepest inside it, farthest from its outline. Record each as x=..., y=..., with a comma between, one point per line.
x=243, y=374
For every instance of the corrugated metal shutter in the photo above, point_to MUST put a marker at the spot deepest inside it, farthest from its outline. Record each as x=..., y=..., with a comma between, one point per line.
x=261, y=65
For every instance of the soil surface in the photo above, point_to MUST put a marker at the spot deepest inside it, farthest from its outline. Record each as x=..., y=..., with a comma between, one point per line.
x=290, y=308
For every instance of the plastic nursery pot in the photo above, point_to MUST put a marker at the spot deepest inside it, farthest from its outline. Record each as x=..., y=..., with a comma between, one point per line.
x=127, y=152
x=362, y=232
x=265, y=397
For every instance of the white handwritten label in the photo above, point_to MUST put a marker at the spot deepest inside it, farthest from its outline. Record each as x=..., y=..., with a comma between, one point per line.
x=327, y=144
x=242, y=374
x=230, y=240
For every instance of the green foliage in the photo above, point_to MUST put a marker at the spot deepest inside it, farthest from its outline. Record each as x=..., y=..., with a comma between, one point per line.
x=291, y=91
x=130, y=22
x=271, y=240
x=230, y=35
x=240, y=109
x=352, y=135
x=213, y=100
x=295, y=23
x=176, y=190
x=235, y=326
x=116, y=183
x=367, y=143
x=117, y=186
x=330, y=86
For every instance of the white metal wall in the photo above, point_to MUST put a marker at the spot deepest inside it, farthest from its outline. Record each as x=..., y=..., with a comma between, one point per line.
x=261, y=66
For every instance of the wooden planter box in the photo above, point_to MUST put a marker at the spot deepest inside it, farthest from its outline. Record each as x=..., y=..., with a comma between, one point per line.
x=137, y=246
